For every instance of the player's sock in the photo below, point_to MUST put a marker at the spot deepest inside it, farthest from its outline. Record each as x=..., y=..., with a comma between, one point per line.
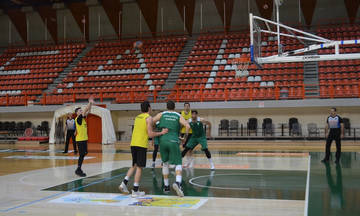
x=136, y=186
x=178, y=176
x=178, y=179
x=165, y=172
x=126, y=180
x=166, y=182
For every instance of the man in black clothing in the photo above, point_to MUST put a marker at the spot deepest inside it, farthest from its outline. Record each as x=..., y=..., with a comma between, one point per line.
x=336, y=132
x=70, y=133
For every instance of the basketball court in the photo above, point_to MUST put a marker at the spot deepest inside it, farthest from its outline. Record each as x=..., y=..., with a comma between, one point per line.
x=244, y=183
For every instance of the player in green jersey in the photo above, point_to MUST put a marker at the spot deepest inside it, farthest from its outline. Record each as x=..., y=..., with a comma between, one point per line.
x=169, y=144
x=198, y=136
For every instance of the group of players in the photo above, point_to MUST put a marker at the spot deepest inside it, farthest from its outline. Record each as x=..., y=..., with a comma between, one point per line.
x=168, y=127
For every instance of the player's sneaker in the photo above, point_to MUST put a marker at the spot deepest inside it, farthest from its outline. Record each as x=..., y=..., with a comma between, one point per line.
x=123, y=188
x=137, y=193
x=80, y=173
x=153, y=165
x=178, y=189
x=167, y=189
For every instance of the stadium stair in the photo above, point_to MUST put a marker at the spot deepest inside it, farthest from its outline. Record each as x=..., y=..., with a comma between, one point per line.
x=177, y=69
x=311, y=77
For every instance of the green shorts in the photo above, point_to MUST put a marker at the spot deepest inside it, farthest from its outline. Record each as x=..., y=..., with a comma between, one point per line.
x=170, y=150
x=194, y=141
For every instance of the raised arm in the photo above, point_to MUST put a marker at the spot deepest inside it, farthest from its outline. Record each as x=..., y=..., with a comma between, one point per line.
x=151, y=133
x=87, y=109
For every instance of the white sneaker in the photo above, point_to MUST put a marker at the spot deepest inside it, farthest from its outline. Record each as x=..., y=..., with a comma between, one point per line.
x=137, y=193
x=178, y=190
x=123, y=188
x=212, y=166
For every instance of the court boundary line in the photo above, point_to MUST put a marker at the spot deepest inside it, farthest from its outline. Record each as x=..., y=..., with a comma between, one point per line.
x=58, y=194
x=307, y=188
x=214, y=187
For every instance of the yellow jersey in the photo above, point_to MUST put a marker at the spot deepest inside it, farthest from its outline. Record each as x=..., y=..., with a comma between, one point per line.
x=140, y=136
x=186, y=116
x=81, y=129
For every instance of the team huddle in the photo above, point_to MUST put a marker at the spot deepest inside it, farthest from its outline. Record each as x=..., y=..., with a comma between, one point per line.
x=167, y=140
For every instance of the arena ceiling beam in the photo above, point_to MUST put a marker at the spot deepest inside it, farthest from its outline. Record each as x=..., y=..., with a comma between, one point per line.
x=352, y=7
x=189, y=6
x=18, y=18
x=113, y=9
x=48, y=16
x=80, y=10
x=149, y=9
x=308, y=8
x=229, y=5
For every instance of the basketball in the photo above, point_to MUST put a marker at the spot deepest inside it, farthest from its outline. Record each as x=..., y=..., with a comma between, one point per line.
x=137, y=44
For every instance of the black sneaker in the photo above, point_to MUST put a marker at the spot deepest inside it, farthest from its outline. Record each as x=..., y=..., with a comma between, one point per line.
x=64, y=152
x=80, y=173
x=167, y=189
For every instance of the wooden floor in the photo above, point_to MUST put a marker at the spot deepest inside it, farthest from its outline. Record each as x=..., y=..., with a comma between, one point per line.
x=28, y=168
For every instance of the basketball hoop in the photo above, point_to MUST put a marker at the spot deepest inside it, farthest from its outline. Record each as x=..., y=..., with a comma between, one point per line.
x=241, y=65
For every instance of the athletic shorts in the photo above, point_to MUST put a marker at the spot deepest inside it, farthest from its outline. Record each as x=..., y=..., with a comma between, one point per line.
x=170, y=150
x=82, y=147
x=187, y=139
x=194, y=141
x=138, y=156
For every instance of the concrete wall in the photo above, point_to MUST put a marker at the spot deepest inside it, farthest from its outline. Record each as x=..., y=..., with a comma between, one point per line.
x=36, y=27
x=123, y=120
x=4, y=36
x=131, y=21
x=106, y=28
x=172, y=19
x=72, y=28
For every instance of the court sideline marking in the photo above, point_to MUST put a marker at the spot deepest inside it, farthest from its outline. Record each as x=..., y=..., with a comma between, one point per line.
x=307, y=188
x=58, y=194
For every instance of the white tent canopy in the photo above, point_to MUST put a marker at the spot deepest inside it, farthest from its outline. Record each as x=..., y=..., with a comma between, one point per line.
x=108, y=132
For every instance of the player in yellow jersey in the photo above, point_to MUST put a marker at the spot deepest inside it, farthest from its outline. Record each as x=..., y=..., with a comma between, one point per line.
x=186, y=114
x=81, y=134
x=143, y=130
